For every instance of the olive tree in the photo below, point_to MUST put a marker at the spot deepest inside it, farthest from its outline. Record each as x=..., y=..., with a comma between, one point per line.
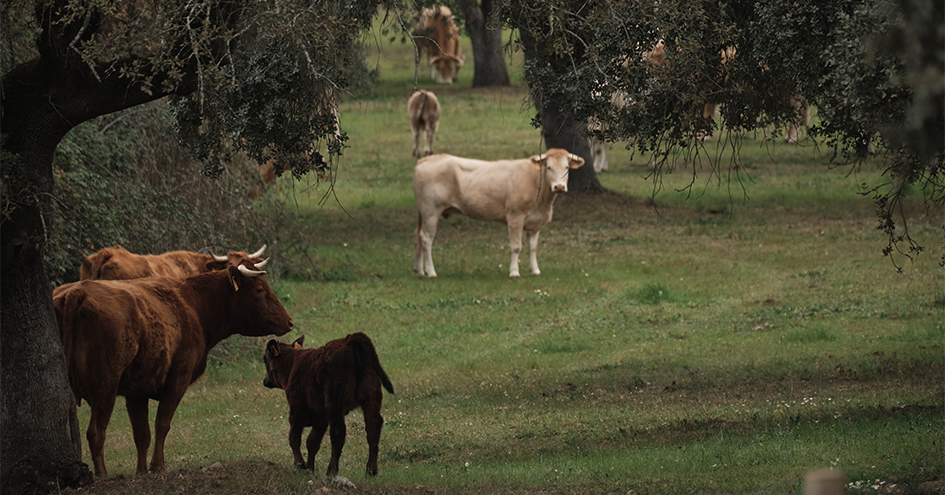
x=873, y=68
x=258, y=77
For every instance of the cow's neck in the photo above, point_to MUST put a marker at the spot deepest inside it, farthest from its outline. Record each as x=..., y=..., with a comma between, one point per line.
x=209, y=293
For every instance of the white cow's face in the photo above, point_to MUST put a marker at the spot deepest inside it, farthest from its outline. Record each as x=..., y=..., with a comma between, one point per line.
x=556, y=163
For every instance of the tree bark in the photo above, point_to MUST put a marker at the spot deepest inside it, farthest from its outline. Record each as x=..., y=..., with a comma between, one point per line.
x=486, y=34
x=558, y=127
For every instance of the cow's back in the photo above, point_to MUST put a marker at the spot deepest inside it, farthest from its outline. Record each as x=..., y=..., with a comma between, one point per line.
x=130, y=331
x=479, y=189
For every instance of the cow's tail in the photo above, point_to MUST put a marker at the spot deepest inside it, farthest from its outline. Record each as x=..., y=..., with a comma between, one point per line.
x=365, y=356
x=67, y=309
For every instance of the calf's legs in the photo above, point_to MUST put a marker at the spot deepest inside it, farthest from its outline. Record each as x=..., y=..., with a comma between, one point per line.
x=423, y=253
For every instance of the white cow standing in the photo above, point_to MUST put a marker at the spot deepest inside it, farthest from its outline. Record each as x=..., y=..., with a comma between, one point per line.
x=520, y=193
x=424, y=110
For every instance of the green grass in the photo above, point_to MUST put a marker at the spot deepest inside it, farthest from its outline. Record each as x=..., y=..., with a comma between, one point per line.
x=708, y=344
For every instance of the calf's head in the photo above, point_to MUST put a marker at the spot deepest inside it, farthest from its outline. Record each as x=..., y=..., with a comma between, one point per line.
x=253, y=306
x=556, y=163
x=278, y=361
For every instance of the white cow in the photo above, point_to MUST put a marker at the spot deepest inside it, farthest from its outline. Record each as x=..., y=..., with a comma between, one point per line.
x=424, y=110
x=520, y=193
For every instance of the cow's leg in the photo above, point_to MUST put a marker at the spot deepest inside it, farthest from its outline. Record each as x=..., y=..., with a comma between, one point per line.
x=98, y=422
x=801, y=117
x=337, y=432
x=430, y=130
x=427, y=231
x=314, y=441
x=141, y=430
x=415, y=131
x=533, y=252
x=708, y=113
x=515, y=241
x=295, y=440
x=373, y=422
x=167, y=406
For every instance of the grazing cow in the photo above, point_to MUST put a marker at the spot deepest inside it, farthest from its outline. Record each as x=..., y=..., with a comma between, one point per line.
x=149, y=339
x=520, y=193
x=116, y=263
x=322, y=386
x=424, y=110
x=436, y=32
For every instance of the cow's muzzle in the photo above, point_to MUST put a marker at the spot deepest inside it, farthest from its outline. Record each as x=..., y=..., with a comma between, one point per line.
x=560, y=188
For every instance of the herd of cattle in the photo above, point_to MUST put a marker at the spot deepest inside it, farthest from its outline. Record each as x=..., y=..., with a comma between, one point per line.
x=142, y=326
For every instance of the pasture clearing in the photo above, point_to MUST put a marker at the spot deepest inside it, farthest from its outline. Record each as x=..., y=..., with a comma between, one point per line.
x=704, y=345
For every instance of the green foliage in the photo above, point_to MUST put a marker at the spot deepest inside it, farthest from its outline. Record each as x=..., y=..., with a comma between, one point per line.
x=122, y=179
x=873, y=67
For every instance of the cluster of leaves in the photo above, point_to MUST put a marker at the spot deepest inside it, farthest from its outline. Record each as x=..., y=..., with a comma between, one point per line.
x=873, y=68
x=123, y=179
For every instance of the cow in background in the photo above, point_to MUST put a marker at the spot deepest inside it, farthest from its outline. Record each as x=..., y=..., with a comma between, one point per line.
x=117, y=263
x=798, y=104
x=520, y=193
x=436, y=33
x=424, y=110
x=599, y=147
x=322, y=386
x=149, y=339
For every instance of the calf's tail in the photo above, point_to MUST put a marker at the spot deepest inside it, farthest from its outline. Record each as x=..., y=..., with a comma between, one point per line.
x=366, y=356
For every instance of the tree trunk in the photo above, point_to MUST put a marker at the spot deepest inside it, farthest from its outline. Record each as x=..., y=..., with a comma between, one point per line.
x=40, y=443
x=486, y=34
x=41, y=447
x=558, y=128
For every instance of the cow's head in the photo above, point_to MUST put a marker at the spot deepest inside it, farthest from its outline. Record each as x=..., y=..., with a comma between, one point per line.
x=556, y=163
x=278, y=364
x=254, y=308
x=233, y=258
x=447, y=67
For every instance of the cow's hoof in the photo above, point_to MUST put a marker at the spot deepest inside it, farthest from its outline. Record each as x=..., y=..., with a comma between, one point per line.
x=302, y=467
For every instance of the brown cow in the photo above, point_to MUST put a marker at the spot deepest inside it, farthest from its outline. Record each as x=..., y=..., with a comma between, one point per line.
x=424, y=110
x=117, y=263
x=436, y=32
x=322, y=386
x=149, y=339
x=520, y=193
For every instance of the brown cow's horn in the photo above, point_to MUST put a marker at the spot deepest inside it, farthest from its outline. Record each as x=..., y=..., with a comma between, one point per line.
x=259, y=253
x=217, y=257
x=261, y=264
x=250, y=273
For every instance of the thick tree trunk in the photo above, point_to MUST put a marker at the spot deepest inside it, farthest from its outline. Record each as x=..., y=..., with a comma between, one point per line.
x=558, y=127
x=41, y=446
x=486, y=34
x=40, y=443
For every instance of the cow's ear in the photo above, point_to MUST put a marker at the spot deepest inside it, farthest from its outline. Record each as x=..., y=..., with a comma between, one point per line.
x=233, y=273
x=272, y=348
x=576, y=161
x=298, y=342
x=538, y=159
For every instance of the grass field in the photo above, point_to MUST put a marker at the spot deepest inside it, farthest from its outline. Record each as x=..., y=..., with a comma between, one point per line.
x=682, y=343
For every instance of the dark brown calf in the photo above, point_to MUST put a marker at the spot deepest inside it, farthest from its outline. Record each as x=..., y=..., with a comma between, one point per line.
x=322, y=386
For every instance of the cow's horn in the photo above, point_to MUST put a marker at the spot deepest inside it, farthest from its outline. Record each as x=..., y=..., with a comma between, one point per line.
x=259, y=253
x=250, y=273
x=217, y=257
x=261, y=264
